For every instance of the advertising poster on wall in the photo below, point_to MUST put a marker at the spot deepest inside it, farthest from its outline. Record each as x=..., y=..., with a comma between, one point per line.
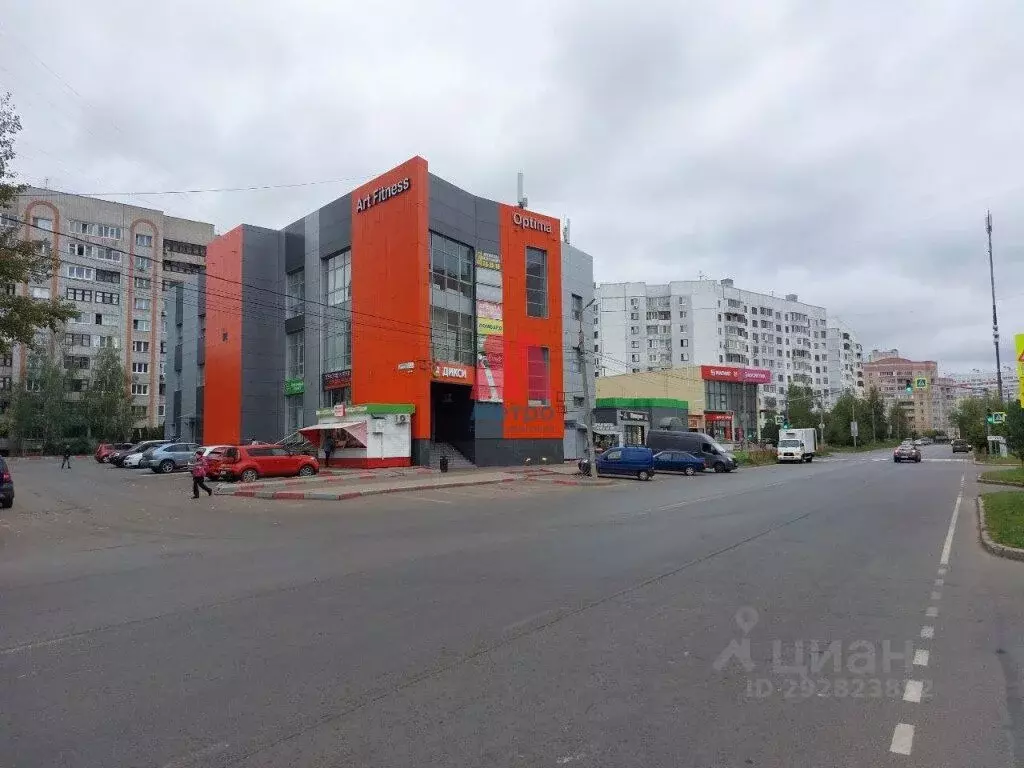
x=490, y=330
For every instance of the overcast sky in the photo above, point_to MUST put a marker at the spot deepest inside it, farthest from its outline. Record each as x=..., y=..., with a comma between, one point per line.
x=846, y=152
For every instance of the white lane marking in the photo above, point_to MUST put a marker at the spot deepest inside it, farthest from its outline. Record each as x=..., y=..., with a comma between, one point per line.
x=912, y=691
x=962, y=478
x=942, y=571
x=921, y=658
x=940, y=582
x=931, y=612
x=944, y=560
x=936, y=595
x=571, y=758
x=927, y=632
x=436, y=501
x=902, y=739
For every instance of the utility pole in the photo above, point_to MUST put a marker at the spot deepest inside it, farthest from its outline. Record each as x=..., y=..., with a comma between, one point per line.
x=588, y=413
x=854, y=401
x=995, y=318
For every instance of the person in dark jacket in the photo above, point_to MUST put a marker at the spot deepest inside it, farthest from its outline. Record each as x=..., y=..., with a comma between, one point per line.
x=66, y=461
x=328, y=450
x=199, y=468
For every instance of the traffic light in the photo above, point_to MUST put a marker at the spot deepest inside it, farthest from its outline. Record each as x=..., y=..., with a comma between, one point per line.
x=909, y=386
x=989, y=417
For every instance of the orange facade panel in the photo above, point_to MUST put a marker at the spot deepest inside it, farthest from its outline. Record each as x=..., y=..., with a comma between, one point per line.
x=222, y=408
x=529, y=371
x=391, y=291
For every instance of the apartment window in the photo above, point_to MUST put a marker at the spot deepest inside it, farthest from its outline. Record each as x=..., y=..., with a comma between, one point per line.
x=634, y=330
x=78, y=339
x=684, y=357
x=682, y=315
x=140, y=325
x=140, y=367
x=140, y=389
x=634, y=358
x=143, y=241
x=76, y=272
x=536, y=282
x=296, y=294
x=684, y=342
x=635, y=344
x=597, y=348
x=143, y=303
x=596, y=335
x=6, y=362
x=141, y=264
x=76, y=362
x=296, y=355
x=538, y=375
x=139, y=412
x=337, y=324
x=163, y=347
x=140, y=346
x=108, y=276
x=143, y=283
x=102, y=297
x=778, y=339
x=39, y=292
x=41, y=223
x=577, y=306
x=160, y=410
x=78, y=294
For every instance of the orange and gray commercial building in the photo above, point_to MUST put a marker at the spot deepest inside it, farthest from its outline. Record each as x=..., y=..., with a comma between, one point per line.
x=408, y=290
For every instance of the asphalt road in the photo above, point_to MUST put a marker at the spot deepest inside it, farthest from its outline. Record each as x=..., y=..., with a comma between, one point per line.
x=751, y=619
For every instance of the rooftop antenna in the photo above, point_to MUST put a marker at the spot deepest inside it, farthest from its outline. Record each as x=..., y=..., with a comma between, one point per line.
x=520, y=197
x=565, y=231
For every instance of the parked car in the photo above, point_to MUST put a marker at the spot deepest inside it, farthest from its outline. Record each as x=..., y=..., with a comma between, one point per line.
x=678, y=461
x=120, y=458
x=906, y=452
x=699, y=444
x=6, y=486
x=167, y=458
x=104, y=450
x=251, y=462
x=961, y=446
x=631, y=460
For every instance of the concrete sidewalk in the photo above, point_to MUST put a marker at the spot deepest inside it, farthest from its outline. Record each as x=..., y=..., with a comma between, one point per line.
x=332, y=490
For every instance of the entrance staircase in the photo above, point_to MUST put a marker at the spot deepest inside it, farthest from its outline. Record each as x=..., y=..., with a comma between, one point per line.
x=455, y=459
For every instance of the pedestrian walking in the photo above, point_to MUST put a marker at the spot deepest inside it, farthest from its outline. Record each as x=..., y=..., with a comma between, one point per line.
x=328, y=450
x=66, y=461
x=199, y=476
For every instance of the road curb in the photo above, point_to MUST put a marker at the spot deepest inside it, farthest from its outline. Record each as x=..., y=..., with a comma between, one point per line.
x=1002, y=483
x=322, y=495
x=994, y=547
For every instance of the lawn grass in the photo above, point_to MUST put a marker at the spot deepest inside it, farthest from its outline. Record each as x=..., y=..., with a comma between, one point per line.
x=1004, y=517
x=864, y=447
x=754, y=458
x=1015, y=476
x=1007, y=461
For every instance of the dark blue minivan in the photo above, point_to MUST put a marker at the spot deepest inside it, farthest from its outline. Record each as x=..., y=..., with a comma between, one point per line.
x=631, y=460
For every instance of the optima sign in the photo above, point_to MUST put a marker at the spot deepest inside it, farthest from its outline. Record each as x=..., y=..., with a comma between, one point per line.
x=381, y=194
x=528, y=222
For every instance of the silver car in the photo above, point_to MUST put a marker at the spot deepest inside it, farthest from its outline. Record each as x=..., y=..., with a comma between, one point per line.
x=168, y=458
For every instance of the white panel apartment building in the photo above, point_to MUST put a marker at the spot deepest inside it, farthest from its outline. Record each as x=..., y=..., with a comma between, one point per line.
x=640, y=327
x=115, y=262
x=845, y=362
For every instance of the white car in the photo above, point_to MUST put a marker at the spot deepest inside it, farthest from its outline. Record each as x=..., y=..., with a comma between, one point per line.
x=132, y=460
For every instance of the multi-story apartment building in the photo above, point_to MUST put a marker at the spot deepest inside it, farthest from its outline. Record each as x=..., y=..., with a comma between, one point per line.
x=977, y=383
x=845, y=361
x=641, y=327
x=114, y=261
x=925, y=404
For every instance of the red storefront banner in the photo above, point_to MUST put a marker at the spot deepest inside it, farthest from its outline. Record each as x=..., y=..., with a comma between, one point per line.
x=718, y=416
x=740, y=375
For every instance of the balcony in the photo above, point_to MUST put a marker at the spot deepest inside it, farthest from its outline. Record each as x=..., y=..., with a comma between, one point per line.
x=737, y=357
x=735, y=317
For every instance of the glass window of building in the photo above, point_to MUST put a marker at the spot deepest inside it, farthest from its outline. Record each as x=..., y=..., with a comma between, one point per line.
x=296, y=355
x=337, y=282
x=452, y=332
x=577, y=307
x=296, y=294
x=536, y=282
x=294, y=413
x=538, y=376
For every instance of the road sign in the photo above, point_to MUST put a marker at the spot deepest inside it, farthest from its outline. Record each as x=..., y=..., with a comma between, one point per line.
x=854, y=429
x=998, y=417
x=780, y=419
x=921, y=382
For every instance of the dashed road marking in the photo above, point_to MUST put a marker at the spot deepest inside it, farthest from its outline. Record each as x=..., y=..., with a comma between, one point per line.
x=948, y=545
x=931, y=612
x=936, y=595
x=942, y=571
x=940, y=582
x=902, y=739
x=912, y=691
x=921, y=658
x=927, y=632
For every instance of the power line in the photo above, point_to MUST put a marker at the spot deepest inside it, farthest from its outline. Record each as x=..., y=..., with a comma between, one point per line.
x=255, y=187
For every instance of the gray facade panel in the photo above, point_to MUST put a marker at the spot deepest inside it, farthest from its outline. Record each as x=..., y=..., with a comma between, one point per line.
x=314, y=313
x=334, y=229
x=503, y=452
x=263, y=344
x=578, y=279
x=293, y=324
x=294, y=247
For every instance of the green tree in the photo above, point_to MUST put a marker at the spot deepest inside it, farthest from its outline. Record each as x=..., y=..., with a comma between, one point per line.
x=22, y=260
x=970, y=419
x=801, y=407
x=40, y=412
x=874, y=421
x=1015, y=429
x=107, y=403
x=837, y=423
x=899, y=425
x=770, y=430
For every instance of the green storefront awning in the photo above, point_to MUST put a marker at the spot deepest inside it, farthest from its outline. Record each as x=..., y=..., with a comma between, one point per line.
x=641, y=402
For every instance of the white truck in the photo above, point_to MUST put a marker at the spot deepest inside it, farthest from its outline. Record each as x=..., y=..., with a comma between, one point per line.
x=796, y=445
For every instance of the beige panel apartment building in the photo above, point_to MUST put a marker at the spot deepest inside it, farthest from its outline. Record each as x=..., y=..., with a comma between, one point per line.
x=115, y=263
x=925, y=407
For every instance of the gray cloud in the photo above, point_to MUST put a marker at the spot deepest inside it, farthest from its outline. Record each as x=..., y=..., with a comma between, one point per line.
x=845, y=153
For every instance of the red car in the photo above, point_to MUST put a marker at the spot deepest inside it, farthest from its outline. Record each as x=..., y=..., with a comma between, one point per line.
x=251, y=462
x=103, y=450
